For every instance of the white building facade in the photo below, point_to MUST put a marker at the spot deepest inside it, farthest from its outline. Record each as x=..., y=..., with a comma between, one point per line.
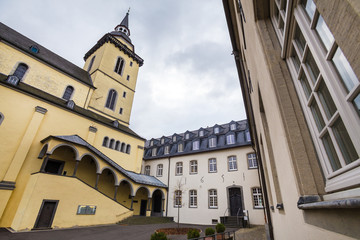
x=211, y=174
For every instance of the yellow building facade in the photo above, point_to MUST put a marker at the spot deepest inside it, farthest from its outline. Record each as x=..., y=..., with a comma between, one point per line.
x=69, y=158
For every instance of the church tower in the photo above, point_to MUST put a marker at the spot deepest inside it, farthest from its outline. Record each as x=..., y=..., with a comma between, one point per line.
x=113, y=66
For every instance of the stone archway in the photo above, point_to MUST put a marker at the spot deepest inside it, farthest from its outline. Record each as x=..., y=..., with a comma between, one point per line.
x=157, y=203
x=106, y=183
x=141, y=201
x=124, y=193
x=87, y=169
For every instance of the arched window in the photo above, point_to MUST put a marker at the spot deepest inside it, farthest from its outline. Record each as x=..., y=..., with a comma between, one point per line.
x=105, y=141
x=123, y=146
x=112, y=143
x=91, y=63
x=1, y=118
x=117, y=145
x=21, y=70
x=68, y=93
x=119, y=66
x=111, y=99
x=128, y=148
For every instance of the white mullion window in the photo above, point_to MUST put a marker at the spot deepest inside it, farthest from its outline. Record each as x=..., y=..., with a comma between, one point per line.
x=177, y=199
x=192, y=198
x=232, y=163
x=179, y=168
x=193, y=167
x=212, y=165
x=328, y=90
x=279, y=17
x=213, y=199
x=252, y=162
x=257, y=197
x=159, y=171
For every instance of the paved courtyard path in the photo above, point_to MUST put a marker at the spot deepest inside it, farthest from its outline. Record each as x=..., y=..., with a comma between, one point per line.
x=121, y=232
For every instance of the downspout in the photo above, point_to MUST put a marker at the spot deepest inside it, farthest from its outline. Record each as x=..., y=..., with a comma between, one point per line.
x=167, y=193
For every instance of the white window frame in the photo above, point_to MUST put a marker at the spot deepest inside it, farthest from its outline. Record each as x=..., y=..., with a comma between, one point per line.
x=193, y=198
x=257, y=197
x=212, y=142
x=201, y=133
x=212, y=165
x=193, y=167
x=179, y=169
x=213, y=198
x=348, y=174
x=159, y=170
x=153, y=152
x=196, y=145
x=232, y=163
x=147, y=170
x=180, y=147
x=230, y=139
x=216, y=130
x=233, y=126
x=166, y=150
x=252, y=161
x=177, y=199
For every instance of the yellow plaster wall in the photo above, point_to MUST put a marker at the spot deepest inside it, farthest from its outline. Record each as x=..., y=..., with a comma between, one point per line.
x=70, y=192
x=98, y=99
x=41, y=75
x=18, y=110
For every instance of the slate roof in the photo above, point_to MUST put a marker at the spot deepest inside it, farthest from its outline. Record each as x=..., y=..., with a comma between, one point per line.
x=136, y=177
x=240, y=133
x=18, y=40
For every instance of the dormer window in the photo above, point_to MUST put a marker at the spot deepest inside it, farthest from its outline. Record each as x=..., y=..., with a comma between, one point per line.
x=212, y=142
x=230, y=139
x=162, y=141
x=233, y=126
x=187, y=136
x=247, y=136
x=216, y=130
x=174, y=138
x=153, y=152
x=166, y=150
x=151, y=143
x=201, y=133
x=196, y=145
x=180, y=147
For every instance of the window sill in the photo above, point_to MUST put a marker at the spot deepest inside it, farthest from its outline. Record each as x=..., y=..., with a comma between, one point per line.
x=340, y=204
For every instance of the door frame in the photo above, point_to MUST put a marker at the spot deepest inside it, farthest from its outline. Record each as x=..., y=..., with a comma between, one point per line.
x=39, y=213
x=241, y=197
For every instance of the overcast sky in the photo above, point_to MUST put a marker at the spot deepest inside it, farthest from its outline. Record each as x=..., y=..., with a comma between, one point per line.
x=189, y=77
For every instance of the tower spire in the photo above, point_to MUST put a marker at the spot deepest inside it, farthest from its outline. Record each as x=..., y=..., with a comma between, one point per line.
x=123, y=27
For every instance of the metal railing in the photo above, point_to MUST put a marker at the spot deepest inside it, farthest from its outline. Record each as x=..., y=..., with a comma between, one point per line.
x=237, y=216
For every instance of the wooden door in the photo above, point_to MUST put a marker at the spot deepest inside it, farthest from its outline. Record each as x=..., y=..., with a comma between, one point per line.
x=46, y=214
x=235, y=201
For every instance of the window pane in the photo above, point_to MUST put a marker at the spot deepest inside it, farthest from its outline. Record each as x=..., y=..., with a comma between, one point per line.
x=309, y=8
x=312, y=67
x=357, y=103
x=344, y=69
x=345, y=144
x=331, y=153
x=296, y=60
x=317, y=116
x=300, y=40
x=324, y=33
x=305, y=85
x=326, y=100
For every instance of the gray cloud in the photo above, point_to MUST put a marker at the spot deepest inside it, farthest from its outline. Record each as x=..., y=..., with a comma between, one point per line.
x=189, y=78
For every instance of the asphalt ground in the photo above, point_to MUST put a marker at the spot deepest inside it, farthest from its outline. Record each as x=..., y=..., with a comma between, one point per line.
x=123, y=232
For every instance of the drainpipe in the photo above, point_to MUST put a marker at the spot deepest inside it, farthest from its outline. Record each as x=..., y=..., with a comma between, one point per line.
x=167, y=192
